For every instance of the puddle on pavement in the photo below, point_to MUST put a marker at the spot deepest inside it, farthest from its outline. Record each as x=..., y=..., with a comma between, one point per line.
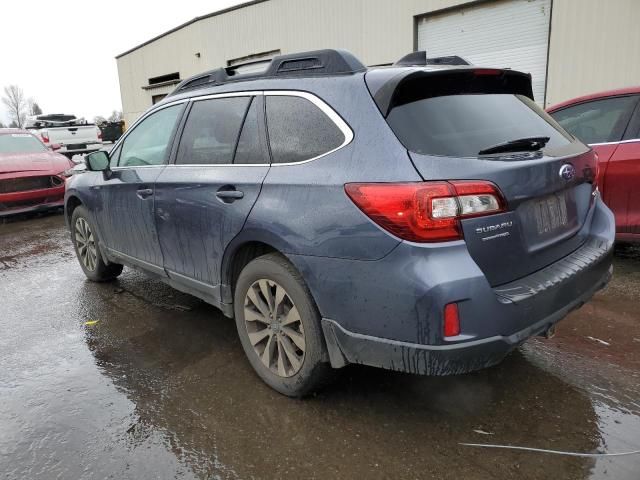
x=159, y=388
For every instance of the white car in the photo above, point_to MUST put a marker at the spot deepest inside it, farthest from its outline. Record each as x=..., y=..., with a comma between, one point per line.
x=66, y=134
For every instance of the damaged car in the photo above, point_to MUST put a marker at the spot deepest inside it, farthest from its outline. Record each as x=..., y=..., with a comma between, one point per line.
x=32, y=177
x=426, y=217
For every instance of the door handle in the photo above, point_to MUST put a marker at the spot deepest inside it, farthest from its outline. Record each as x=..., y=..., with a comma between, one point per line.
x=229, y=195
x=144, y=193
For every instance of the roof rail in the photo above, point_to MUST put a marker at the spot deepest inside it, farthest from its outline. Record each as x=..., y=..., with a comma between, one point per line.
x=419, y=58
x=304, y=64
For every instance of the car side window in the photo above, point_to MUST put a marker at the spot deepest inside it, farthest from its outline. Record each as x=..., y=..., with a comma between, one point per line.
x=114, y=156
x=211, y=131
x=298, y=130
x=597, y=121
x=148, y=142
x=249, y=149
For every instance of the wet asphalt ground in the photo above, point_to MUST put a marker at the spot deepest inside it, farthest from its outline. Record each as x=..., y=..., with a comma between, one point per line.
x=135, y=380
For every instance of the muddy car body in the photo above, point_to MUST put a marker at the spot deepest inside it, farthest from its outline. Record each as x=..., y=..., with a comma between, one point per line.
x=422, y=218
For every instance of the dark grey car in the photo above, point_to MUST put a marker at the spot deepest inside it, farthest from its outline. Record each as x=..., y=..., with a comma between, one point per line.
x=422, y=218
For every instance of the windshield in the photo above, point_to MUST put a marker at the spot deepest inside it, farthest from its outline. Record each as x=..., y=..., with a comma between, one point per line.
x=464, y=125
x=20, y=143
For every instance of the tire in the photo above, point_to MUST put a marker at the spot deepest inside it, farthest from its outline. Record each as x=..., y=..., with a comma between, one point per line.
x=84, y=238
x=293, y=371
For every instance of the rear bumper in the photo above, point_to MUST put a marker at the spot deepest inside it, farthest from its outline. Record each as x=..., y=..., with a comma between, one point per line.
x=388, y=313
x=347, y=347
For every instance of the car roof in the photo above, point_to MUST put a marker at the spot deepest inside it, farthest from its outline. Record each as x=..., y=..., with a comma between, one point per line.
x=595, y=96
x=310, y=65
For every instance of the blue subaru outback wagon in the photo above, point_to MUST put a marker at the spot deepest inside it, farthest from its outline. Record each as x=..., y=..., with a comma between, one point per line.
x=425, y=217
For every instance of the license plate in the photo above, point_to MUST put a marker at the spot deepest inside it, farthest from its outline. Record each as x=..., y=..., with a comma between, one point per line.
x=77, y=146
x=551, y=213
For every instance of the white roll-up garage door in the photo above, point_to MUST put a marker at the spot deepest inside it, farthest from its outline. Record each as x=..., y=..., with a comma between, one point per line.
x=508, y=33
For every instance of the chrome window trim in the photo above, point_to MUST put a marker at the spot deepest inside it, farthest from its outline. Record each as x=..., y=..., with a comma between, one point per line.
x=145, y=115
x=139, y=166
x=324, y=107
x=631, y=140
x=135, y=124
x=248, y=93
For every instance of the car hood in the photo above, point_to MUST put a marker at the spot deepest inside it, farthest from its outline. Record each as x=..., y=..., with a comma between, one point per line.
x=46, y=162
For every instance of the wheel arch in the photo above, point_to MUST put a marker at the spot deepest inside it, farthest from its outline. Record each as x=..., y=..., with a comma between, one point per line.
x=236, y=257
x=72, y=202
x=248, y=245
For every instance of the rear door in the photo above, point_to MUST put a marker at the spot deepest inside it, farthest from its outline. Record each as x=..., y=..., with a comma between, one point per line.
x=204, y=198
x=448, y=119
x=605, y=125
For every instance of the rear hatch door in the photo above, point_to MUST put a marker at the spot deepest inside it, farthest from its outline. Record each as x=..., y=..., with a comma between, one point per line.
x=482, y=124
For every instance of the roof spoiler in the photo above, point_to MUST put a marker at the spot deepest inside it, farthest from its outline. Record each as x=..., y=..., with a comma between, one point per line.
x=419, y=59
x=304, y=64
x=390, y=89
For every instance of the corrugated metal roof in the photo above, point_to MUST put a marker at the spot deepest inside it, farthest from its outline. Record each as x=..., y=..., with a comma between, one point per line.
x=197, y=19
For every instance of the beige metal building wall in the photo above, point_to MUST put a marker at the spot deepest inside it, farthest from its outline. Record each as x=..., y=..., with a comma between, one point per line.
x=376, y=31
x=595, y=45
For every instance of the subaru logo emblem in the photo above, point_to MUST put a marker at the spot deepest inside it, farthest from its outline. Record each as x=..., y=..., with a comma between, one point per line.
x=567, y=171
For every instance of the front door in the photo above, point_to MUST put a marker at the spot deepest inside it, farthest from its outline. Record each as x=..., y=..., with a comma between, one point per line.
x=203, y=200
x=125, y=214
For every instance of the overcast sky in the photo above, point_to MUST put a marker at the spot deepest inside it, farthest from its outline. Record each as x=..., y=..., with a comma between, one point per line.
x=62, y=53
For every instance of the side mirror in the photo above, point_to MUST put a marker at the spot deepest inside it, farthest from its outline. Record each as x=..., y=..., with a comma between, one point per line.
x=97, y=161
x=55, y=146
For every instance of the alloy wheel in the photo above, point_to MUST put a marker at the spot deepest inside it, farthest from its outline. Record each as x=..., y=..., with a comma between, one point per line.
x=275, y=328
x=85, y=244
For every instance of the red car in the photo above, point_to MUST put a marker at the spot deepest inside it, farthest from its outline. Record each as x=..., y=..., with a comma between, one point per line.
x=610, y=123
x=32, y=177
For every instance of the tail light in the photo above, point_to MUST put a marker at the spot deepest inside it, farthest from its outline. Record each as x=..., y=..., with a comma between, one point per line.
x=425, y=211
x=99, y=134
x=45, y=136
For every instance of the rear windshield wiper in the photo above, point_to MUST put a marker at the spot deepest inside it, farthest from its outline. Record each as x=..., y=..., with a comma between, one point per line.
x=528, y=144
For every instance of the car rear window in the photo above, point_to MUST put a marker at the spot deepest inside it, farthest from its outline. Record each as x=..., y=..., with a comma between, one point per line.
x=20, y=143
x=463, y=125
